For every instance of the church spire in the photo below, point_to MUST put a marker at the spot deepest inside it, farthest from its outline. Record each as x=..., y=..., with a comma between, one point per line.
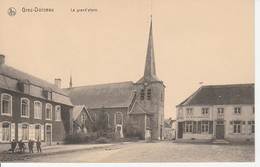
x=150, y=71
x=70, y=86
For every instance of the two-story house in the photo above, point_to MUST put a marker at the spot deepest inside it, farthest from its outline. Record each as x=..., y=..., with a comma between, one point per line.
x=31, y=108
x=218, y=112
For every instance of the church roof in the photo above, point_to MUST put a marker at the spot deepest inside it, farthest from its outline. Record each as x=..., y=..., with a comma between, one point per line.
x=77, y=110
x=9, y=77
x=110, y=95
x=149, y=71
x=221, y=95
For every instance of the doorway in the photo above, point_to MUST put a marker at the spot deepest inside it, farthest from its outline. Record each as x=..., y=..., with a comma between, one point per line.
x=48, y=134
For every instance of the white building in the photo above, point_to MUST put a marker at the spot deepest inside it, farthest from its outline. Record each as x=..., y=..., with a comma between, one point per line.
x=218, y=112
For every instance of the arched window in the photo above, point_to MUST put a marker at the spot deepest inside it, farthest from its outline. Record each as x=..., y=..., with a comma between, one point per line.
x=38, y=132
x=48, y=111
x=83, y=117
x=58, y=113
x=6, y=104
x=25, y=107
x=25, y=131
x=119, y=118
x=37, y=110
x=6, y=131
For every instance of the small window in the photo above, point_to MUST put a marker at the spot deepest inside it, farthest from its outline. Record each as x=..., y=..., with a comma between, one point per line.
x=188, y=127
x=57, y=113
x=236, y=126
x=6, y=131
x=48, y=111
x=149, y=94
x=205, y=126
x=37, y=110
x=25, y=107
x=6, y=104
x=142, y=94
x=237, y=110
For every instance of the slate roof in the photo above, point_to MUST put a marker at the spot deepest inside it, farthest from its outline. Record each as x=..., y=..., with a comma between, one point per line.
x=104, y=95
x=221, y=95
x=9, y=77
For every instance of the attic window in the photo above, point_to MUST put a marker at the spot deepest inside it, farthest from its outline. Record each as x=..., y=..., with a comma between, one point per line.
x=24, y=86
x=47, y=93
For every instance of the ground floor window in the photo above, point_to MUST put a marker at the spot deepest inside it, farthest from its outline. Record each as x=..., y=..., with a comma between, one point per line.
x=188, y=127
x=25, y=132
x=205, y=126
x=251, y=126
x=6, y=131
x=37, y=132
x=236, y=126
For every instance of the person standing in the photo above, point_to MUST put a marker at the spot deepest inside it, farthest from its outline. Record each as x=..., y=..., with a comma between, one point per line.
x=38, y=145
x=13, y=145
x=30, y=146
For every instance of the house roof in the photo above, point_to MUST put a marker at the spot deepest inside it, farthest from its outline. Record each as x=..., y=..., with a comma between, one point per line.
x=104, y=95
x=9, y=77
x=221, y=95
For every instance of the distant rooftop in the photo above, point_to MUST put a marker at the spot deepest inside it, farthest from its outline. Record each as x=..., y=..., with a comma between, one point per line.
x=221, y=95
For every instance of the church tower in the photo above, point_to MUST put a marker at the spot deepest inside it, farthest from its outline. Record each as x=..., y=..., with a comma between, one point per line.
x=151, y=91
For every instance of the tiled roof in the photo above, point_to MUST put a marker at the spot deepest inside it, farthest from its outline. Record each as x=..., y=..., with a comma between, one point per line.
x=104, y=95
x=221, y=95
x=9, y=77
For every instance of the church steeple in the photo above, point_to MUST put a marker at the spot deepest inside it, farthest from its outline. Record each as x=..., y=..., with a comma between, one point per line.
x=150, y=71
x=70, y=84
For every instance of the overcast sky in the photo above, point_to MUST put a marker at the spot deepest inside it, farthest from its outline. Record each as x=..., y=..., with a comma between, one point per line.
x=194, y=41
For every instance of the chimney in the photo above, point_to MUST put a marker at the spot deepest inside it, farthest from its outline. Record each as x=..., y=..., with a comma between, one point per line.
x=57, y=82
x=2, y=59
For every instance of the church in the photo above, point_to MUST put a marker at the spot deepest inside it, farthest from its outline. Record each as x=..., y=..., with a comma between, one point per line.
x=132, y=109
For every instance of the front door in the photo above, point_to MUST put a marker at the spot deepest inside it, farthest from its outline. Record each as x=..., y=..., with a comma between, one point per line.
x=220, y=131
x=180, y=130
x=48, y=134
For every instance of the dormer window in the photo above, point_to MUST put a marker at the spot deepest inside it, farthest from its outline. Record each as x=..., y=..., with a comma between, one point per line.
x=24, y=86
x=47, y=93
x=205, y=111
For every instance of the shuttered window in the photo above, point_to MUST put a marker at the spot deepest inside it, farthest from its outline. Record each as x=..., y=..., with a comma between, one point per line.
x=6, y=104
x=38, y=132
x=142, y=94
x=25, y=107
x=6, y=132
x=37, y=110
x=25, y=132
x=48, y=111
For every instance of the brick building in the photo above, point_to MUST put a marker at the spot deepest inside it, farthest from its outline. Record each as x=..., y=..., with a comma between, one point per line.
x=131, y=108
x=31, y=108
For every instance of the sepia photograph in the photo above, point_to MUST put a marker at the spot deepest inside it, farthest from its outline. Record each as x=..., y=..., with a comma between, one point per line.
x=120, y=81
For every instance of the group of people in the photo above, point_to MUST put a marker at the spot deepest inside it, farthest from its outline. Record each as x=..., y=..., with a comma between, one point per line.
x=21, y=146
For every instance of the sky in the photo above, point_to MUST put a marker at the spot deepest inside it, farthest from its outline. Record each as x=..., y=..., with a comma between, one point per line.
x=194, y=41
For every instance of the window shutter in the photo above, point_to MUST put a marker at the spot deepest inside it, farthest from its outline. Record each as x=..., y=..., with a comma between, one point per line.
x=12, y=131
x=199, y=126
x=194, y=126
x=1, y=126
x=42, y=132
x=210, y=127
x=31, y=130
x=19, y=132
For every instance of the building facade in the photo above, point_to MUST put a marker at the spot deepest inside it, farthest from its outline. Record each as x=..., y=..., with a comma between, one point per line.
x=132, y=108
x=31, y=108
x=218, y=112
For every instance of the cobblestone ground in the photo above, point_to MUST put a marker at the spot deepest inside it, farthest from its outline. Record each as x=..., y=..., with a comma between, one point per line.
x=158, y=152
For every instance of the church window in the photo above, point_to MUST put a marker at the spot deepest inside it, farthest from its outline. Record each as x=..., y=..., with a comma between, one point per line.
x=149, y=93
x=142, y=94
